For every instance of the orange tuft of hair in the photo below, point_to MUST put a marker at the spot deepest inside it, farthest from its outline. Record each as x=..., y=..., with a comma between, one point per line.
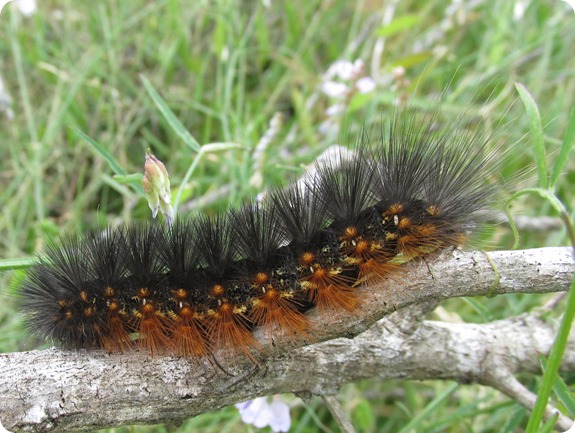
x=329, y=289
x=152, y=327
x=373, y=260
x=422, y=239
x=276, y=311
x=228, y=328
x=394, y=209
x=374, y=270
x=118, y=338
x=188, y=336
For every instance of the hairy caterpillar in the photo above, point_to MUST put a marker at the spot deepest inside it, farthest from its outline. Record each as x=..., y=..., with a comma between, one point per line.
x=203, y=285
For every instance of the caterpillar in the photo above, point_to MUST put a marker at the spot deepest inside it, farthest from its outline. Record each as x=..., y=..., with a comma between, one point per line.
x=204, y=284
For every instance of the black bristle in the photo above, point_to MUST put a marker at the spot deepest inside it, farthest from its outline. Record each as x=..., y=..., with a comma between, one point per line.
x=257, y=230
x=143, y=257
x=215, y=242
x=208, y=280
x=179, y=251
x=345, y=188
x=301, y=215
x=58, y=298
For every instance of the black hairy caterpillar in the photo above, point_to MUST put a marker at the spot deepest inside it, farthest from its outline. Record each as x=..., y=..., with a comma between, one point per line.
x=204, y=284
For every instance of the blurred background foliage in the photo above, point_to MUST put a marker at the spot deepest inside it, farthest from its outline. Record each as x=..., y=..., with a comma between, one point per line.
x=226, y=68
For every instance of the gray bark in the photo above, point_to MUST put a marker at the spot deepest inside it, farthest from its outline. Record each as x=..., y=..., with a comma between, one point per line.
x=58, y=391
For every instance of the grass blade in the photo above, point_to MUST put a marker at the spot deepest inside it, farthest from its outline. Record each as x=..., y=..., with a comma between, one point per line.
x=418, y=420
x=120, y=174
x=13, y=264
x=561, y=390
x=536, y=133
x=555, y=356
x=170, y=117
x=115, y=165
x=568, y=141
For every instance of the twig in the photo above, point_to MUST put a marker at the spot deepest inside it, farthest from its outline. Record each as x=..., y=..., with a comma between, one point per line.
x=58, y=391
x=340, y=416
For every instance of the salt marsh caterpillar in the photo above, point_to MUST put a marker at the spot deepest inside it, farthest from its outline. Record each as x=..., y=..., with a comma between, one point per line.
x=203, y=285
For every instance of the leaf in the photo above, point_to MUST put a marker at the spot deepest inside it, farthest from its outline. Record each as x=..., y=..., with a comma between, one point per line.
x=398, y=25
x=129, y=179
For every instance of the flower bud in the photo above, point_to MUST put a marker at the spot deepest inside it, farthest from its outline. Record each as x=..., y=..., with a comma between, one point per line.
x=156, y=183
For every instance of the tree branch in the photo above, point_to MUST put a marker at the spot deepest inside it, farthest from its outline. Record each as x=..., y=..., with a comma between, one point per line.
x=55, y=390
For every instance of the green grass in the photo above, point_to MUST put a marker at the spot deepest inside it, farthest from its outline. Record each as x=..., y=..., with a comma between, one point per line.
x=215, y=73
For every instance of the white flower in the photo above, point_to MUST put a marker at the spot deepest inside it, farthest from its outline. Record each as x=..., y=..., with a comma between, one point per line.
x=26, y=7
x=519, y=10
x=260, y=413
x=280, y=421
x=571, y=3
x=334, y=110
x=5, y=102
x=358, y=66
x=341, y=81
x=255, y=412
x=333, y=89
x=328, y=127
x=365, y=85
x=398, y=72
x=225, y=53
x=343, y=69
x=3, y=3
x=344, y=75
